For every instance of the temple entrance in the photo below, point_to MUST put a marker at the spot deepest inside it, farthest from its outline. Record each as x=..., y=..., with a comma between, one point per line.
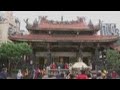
x=61, y=59
x=86, y=60
x=41, y=62
x=64, y=59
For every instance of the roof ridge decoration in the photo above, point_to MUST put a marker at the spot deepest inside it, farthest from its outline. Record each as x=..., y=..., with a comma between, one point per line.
x=42, y=23
x=26, y=21
x=43, y=19
x=91, y=24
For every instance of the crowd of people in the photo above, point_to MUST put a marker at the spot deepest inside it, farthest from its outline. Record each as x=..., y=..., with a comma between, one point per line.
x=83, y=74
x=68, y=74
x=57, y=73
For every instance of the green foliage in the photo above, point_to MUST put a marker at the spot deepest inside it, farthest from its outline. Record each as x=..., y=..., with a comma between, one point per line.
x=113, y=58
x=14, y=51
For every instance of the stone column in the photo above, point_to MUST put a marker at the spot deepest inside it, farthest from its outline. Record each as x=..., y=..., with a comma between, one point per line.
x=32, y=59
x=97, y=56
x=34, y=56
x=97, y=52
x=49, y=57
x=104, y=56
x=80, y=52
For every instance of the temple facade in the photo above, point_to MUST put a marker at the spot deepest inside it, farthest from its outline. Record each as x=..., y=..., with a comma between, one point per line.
x=65, y=41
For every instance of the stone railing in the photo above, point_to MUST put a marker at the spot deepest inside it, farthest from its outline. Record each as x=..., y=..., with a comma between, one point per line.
x=55, y=71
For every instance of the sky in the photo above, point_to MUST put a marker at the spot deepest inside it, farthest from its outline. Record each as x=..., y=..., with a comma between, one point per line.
x=105, y=16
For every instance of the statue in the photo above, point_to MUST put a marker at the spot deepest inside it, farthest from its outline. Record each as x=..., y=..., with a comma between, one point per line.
x=17, y=20
x=61, y=18
x=81, y=19
x=35, y=23
x=42, y=17
x=27, y=23
x=91, y=25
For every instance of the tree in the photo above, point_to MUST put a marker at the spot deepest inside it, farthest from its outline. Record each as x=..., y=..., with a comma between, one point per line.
x=14, y=52
x=113, y=58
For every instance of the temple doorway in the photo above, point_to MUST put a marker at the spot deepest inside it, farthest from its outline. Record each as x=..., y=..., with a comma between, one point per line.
x=41, y=62
x=86, y=60
x=64, y=59
x=61, y=60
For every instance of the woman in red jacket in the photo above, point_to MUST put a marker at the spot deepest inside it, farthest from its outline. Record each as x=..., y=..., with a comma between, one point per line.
x=82, y=75
x=66, y=66
x=53, y=66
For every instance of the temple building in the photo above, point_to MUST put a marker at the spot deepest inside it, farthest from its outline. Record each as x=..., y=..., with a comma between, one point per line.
x=65, y=41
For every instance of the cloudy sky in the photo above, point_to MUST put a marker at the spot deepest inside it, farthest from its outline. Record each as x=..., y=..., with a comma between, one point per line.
x=105, y=16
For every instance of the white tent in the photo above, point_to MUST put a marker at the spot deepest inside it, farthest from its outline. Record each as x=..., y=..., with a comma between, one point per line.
x=79, y=65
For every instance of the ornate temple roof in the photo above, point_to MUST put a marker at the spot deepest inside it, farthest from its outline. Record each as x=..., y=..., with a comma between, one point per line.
x=79, y=24
x=63, y=38
x=45, y=24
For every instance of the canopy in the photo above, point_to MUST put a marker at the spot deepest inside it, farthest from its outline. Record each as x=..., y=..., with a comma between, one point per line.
x=80, y=64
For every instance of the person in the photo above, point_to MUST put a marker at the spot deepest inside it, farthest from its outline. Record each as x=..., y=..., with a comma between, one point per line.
x=58, y=75
x=99, y=75
x=67, y=75
x=89, y=76
x=70, y=67
x=61, y=65
x=33, y=73
x=114, y=75
x=62, y=76
x=45, y=76
x=37, y=73
x=3, y=74
x=82, y=75
x=48, y=70
x=19, y=75
x=71, y=76
x=26, y=73
x=104, y=74
x=53, y=66
x=44, y=72
x=66, y=66
x=40, y=74
x=94, y=75
x=109, y=75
